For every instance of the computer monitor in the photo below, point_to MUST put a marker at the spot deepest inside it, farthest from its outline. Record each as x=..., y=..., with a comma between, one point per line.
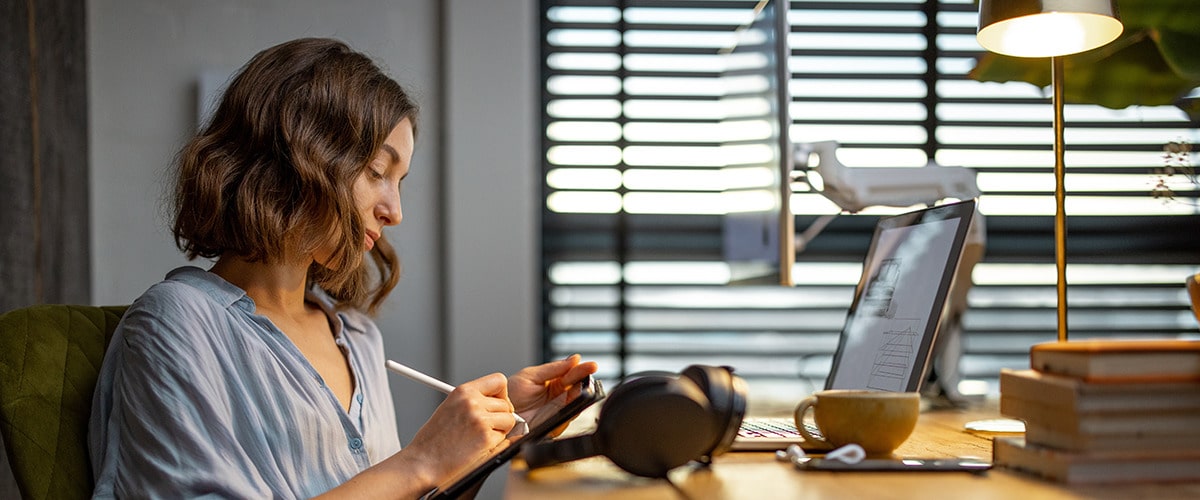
x=758, y=227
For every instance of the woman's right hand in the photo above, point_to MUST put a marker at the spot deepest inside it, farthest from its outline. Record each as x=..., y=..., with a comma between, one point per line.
x=473, y=420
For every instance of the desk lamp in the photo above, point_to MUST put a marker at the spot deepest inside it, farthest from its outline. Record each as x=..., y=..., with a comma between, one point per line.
x=1050, y=28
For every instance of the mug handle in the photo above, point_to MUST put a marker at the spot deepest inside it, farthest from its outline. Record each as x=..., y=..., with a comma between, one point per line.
x=1193, y=287
x=798, y=415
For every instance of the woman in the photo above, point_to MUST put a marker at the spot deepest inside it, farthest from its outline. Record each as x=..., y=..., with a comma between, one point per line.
x=261, y=377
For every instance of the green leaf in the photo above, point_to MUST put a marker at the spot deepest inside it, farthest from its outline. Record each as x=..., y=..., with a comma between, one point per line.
x=992, y=67
x=1181, y=51
x=1156, y=61
x=1135, y=75
x=1172, y=15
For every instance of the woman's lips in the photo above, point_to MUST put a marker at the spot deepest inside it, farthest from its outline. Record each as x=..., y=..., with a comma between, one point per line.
x=371, y=237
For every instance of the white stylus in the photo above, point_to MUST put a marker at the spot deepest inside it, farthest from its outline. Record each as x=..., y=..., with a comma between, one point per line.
x=430, y=381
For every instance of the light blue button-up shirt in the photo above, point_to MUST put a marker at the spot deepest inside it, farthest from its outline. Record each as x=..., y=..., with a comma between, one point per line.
x=200, y=396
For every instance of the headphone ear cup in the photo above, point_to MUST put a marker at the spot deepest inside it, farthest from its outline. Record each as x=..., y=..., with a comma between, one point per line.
x=653, y=424
x=726, y=394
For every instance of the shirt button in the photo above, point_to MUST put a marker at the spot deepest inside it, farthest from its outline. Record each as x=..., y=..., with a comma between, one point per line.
x=355, y=443
x=360, y=398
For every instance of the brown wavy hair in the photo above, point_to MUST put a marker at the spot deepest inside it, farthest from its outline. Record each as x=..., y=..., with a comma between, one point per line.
x=270, y=176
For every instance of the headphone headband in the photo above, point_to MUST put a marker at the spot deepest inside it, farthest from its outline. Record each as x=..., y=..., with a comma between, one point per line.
x=655, y=421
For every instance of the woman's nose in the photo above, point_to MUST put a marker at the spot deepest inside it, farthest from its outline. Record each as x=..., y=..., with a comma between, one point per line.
x=389, y=210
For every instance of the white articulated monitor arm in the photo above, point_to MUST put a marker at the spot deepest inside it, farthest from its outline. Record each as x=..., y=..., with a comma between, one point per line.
x=856, y=188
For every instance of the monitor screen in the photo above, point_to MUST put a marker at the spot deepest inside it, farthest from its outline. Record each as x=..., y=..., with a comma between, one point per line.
x=758, y=228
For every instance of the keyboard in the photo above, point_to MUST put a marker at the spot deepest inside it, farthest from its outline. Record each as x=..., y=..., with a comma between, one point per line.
x=773, y=433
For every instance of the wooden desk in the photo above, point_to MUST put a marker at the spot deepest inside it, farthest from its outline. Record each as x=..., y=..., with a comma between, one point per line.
x=760, y=475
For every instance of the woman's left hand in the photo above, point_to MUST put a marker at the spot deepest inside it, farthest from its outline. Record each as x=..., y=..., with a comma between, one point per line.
x=534, y=386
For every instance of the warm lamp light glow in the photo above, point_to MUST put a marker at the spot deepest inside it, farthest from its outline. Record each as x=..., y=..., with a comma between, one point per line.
x=1046, y=28
x=1050, y=34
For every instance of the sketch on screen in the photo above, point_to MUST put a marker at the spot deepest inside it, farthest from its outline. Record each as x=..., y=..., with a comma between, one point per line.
x=894, y=360
x=879, y=293
x=894, y=311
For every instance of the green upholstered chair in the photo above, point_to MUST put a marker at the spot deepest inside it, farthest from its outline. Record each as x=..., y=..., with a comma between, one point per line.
x=49, y=361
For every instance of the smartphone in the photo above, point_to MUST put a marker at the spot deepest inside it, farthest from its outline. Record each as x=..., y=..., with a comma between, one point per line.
x=899, y=464
x=549, y=417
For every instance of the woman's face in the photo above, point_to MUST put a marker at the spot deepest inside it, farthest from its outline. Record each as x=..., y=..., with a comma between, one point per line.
x=377, y=188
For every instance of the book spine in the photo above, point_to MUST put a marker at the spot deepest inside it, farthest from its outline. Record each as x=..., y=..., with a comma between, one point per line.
x=1123, y=422
x=1016, y=453
x=1012, y=453
x=1025, y=385
x=1075, y=395
x=1117, y=366
x=1102, y=443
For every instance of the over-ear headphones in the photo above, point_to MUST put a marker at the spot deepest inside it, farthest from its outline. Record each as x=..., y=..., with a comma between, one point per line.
x=654, y=422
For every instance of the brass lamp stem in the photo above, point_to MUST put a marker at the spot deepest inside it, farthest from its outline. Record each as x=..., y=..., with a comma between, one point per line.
x=1060, y=194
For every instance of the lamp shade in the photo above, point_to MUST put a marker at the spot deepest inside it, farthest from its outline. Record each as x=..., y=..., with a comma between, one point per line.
x=1046, y=28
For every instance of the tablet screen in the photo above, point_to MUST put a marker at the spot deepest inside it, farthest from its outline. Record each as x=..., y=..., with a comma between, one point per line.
x=892, y=323
x=549, y=417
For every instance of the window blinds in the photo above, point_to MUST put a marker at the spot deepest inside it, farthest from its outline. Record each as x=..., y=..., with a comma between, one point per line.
x=631, y=227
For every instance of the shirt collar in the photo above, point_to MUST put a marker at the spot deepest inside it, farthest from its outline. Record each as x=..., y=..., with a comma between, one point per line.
x=221, y=291
x=227, y=294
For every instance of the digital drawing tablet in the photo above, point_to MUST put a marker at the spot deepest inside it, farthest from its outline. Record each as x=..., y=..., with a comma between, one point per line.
x=962, y=464
x=551, y=416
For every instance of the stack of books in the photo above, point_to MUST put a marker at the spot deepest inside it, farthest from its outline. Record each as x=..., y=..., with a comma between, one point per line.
x=1105, y=411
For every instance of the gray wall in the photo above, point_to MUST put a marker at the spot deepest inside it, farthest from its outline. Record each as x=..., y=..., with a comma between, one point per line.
x=467, y=300
x=494, y=184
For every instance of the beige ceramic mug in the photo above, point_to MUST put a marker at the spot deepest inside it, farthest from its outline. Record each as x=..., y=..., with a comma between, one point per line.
x=878, y=421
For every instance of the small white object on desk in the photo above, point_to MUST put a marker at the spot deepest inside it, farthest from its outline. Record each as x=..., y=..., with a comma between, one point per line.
x=996, y=425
